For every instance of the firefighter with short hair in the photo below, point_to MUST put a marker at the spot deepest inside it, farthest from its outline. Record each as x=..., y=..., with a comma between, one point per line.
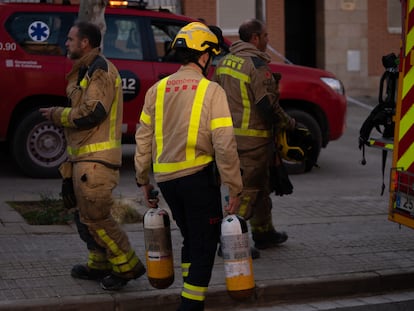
x=92, y=125
x=253, y=94
x=186, y=134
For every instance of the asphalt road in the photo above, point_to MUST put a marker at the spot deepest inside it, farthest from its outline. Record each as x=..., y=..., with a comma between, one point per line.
x=339, y=173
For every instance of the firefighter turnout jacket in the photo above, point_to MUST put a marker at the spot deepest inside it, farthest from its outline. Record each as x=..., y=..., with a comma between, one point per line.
x=95, y=100
x=185, y=125
x=253, y=96
x=92, y=125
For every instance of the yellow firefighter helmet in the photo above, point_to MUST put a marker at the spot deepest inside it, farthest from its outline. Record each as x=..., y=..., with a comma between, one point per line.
x=295, y=145
x=198, y=37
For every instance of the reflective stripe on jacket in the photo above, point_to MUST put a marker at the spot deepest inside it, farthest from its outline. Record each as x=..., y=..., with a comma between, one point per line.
x=93, y=122
x=193, y=127
x=243, y=129
x=113, y=142
x=249, y=83
x=184, y=125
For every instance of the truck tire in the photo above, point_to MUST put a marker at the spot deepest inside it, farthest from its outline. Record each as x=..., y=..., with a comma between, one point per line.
x=38, y=146
x=304, y=119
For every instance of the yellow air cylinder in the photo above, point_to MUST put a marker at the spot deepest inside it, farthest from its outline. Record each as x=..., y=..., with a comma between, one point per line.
x=238, y=264
x=158, y=248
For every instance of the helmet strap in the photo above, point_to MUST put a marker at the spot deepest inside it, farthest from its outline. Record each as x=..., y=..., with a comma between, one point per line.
x=204, y=69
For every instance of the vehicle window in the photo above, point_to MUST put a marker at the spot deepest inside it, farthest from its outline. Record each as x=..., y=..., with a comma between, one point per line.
x=164, y=33
x=123, y=39
x=40, y=33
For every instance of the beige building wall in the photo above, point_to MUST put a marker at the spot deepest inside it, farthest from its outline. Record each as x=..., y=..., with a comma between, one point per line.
x=356, y=37
x=346, y=43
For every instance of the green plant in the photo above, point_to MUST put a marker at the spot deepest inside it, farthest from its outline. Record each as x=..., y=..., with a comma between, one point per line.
x=50, y=211
x=47, y=211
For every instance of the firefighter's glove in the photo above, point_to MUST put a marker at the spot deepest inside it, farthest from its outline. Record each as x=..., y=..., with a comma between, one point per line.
x=280, y=180
x=150, y=195
x=68, y=193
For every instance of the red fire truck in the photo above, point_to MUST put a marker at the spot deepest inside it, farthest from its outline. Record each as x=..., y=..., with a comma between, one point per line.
x=401, y=209
x=401, y=195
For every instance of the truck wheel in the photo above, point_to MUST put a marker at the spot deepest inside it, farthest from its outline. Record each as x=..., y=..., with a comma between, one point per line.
x=38, y=146
x=306, y=120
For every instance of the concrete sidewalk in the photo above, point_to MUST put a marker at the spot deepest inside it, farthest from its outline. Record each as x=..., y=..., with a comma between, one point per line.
x=334, y=248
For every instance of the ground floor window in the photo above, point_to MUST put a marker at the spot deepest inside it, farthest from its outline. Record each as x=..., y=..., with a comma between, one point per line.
x=231, y=13
x=394, y=16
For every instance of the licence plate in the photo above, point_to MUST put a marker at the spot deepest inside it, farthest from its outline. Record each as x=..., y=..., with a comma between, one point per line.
x=404, y=202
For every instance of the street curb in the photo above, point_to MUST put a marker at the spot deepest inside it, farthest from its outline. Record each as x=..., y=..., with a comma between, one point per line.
x=284, y=291
x=303, y=289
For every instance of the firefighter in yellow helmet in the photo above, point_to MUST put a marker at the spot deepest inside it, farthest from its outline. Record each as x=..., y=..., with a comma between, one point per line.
x=253, y=95
x=92, y=125
x=186, y=134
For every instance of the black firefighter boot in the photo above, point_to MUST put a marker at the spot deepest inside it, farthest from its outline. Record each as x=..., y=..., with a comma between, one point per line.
x=268, y=239
x=85, y=273
x=117, y=281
